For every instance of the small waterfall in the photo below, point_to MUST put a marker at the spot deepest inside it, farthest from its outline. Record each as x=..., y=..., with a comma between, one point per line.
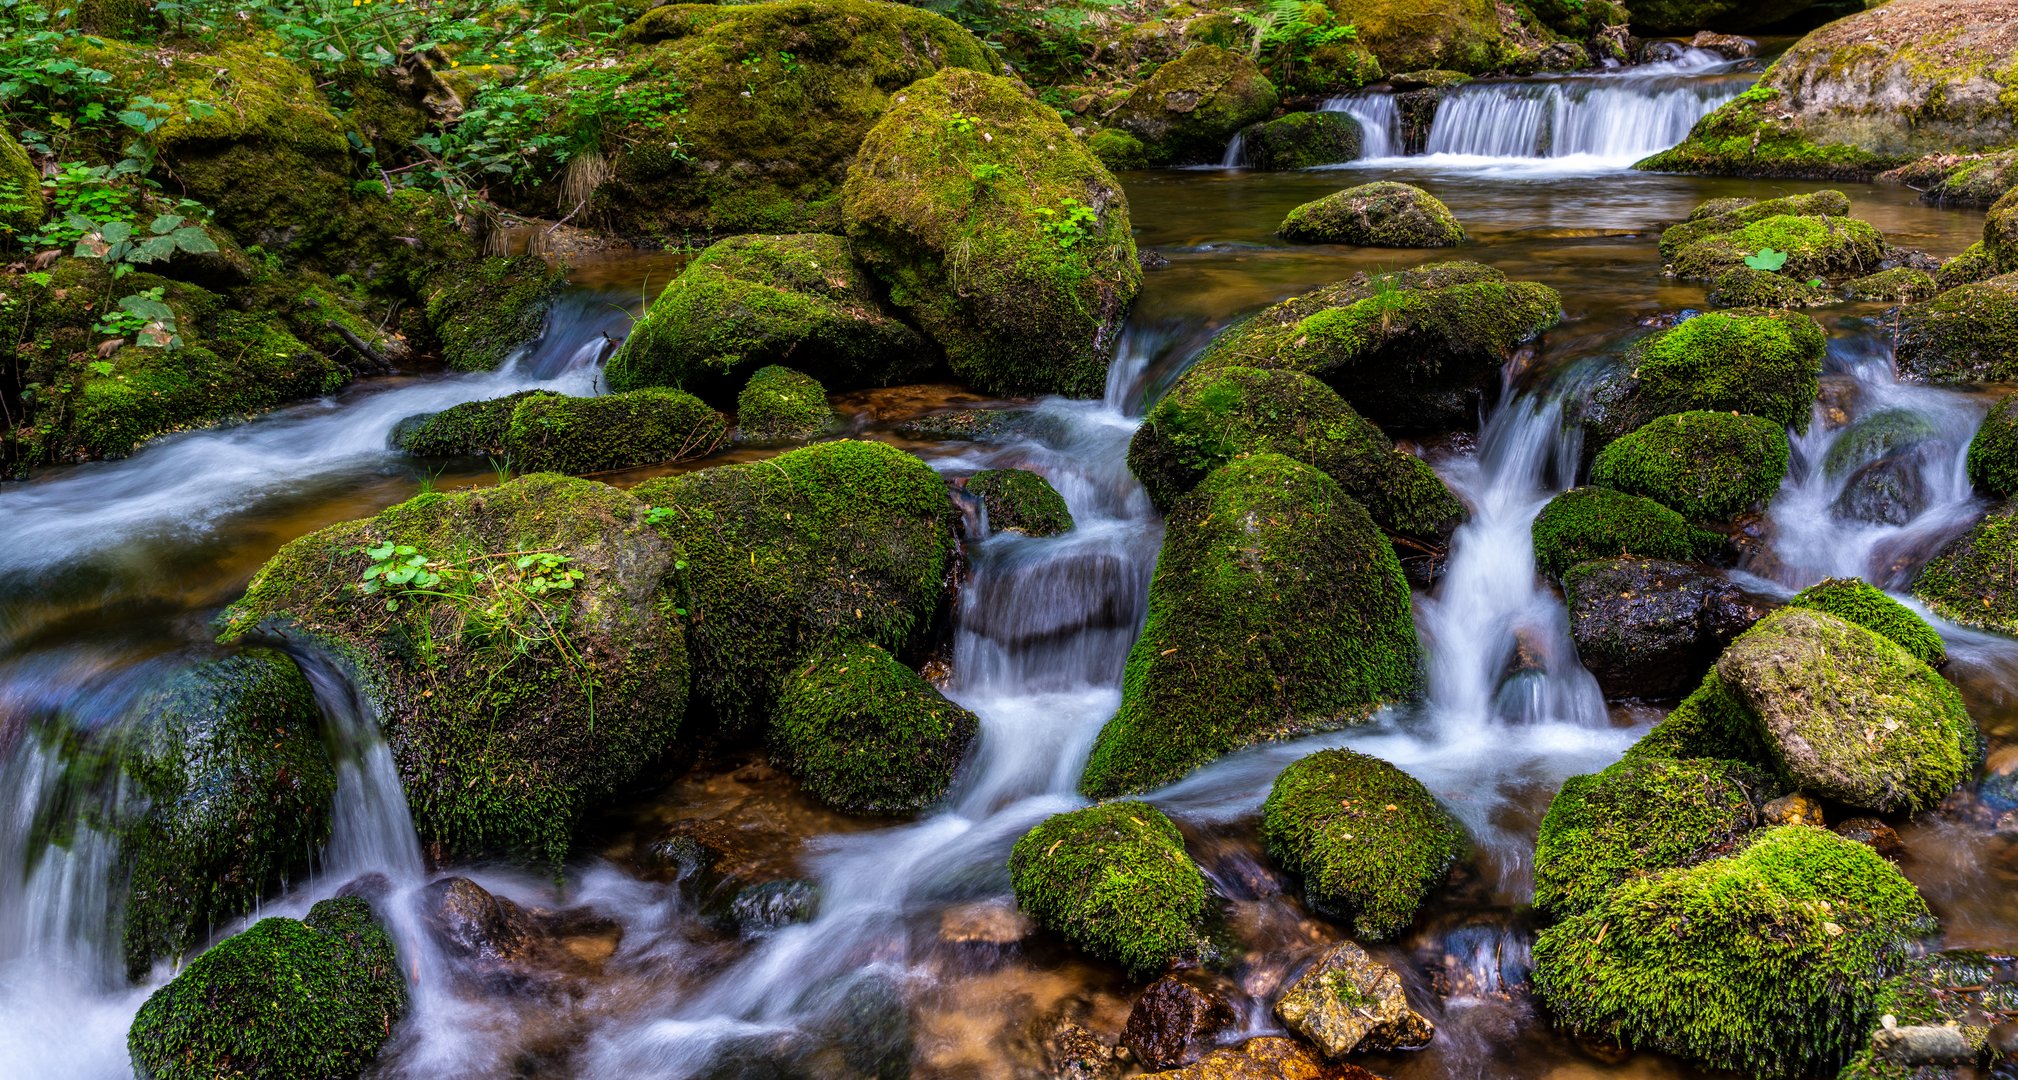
x=1379, y=122
x=1609, y=118
x=1236, y=152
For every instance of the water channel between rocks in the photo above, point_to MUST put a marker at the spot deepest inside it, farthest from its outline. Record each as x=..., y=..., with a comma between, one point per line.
x=116, y=568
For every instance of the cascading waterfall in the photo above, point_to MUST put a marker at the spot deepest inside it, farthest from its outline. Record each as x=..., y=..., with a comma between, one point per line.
x=1236, y=152
x=1379, y=122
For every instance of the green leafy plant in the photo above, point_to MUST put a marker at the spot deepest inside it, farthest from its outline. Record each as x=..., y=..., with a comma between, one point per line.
x=124, y=247
x=1287, y=35
x=1767, y=259
x=145, y=318
x=1073, y=222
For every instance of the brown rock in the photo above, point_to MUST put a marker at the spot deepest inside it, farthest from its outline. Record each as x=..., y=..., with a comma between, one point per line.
x=1728, y=46
x=1871, y=831
x=1270, y=1057
x=471, y=924
x=1074, y=1053
x=1794, y=809
x=1173, y=1022
x=1348, y=1003
x=985, y=922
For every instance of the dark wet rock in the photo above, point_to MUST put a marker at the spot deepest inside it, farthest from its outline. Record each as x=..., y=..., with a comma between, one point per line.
x=866, y=1030
x=774, y=905
x=1270, y=1057
x=1074, y=1053
x=1349, y=1003
x=1650, y=627
x=1301, y=140
x=1151, y=260
x=1888, y=491
x=1879, y=836
x=472, y=924
x=693, y=846
x=497, y=946
x=1728, y=46
x=1173, y=1022
x=1793, y=808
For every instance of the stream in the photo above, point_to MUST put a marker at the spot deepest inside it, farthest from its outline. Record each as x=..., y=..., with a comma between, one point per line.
x=115, y=569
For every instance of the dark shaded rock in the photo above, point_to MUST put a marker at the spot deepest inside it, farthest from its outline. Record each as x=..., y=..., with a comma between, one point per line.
x=1649, y=627
x=774, y=905
x=1172, y=1022
x=1879, y=836
x=1888, y=491
x=472, y=924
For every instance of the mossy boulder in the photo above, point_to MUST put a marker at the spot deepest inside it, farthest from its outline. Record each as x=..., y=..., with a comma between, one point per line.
x=1412, y=349
x=2000, y=231
x=1865, y=93
x=1718, y=216
x=1117, y=149
x=1875, y=436
x=1993, y=452
x=512, y=703
x=1954, y=989
x=740, y=119
x=1302, y=140
x=21, y=203
x=1703, y=465
x=833, y=542
x=1975, y=263
x=1368, y=840
x=1848, y=714
x=1418, y=35
x=1018, y=500
x=481, y=313
x=1900, y=284
x=1654, y=17
x=557, y=433
x=1114, y=880
x=1638, y=817
x=867, y=735
x=1022, y=274
x=1217, y=414
x=1971, y=581
x=1188, y=109
x=1710, y=723
x=1742, y=286
x=782, y=405
x=1753, y=361
x=1862, y=603
x=1649, y=628
x=751, y=302
x=282, y=1000
x=233, y=786
x=1277, y=609
x=1767, y=962
x=1382, y=214
x=473, y=427
x=1967, y=334
x=1598, y=523
x=1815, y=246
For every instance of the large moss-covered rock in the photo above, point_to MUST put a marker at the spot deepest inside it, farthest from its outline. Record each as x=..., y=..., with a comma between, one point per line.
x=1419, y=348
x=1702, y=465
x=481, y=313
x=1815, y=246
x=473, y=427
x=866, y=734
x=1115, y=880
x=1018, y=500
x=1188, y=109
x=1368, y=840
x=837, y=541
x=730, y=119
x=1967, y=334
x=996, y=230
x=21, y=203
x=1381, y=214
x=1742, y=286
x=1649, y=628
x=1216, y=414
x=1598, y=523
x=1414, y=35
x=1973, y=263
x=753, y=301
x=1767, y=962
x=1277, y=609
x=556, y=433
x=779, y=404
x=1710, y=723
x=282, y=1000
x=1859, y=602
x=1993, y=452
x=514, y=696
x=1900, y=284
x=1848, y=714
x=1728, y=215
x=1972, y=581
x=1640, y=816
x=1302, y=140
x=1866, y=93
x=233, y=785
x=1748, y=360
x=2000, y=232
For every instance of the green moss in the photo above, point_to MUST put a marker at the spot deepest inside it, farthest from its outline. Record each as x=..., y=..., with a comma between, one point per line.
x=1020, y=501
x=1763, y=363
x=1640, y=816
x=1967, y=334
x=1856, y=601
x=508, y=714
x=1022, y=275
x=228, y=758
x=1901, y=284
x=1719, y=216
x=865, y=734
x=1416, y=348
x=20, y=187
x=471, y=428
x=1220, y=413
x=480, y=313
x=838, y=541
x=1993, y=452
x=1816, y=247
x=1974, y=264
x=1382, y=214
x=556, y=433
x=1277, y=609
x=1709, y=723
x=1745, y=287
x=1767, y=962
x=1753, y=135
x=1706, y=466
x=308, y=1000
x=782, y=405
x=1873, y=437
x=758, y=301
x=1972, y=581
x=2000, y=232
x=1187, y=110
x=1114, y=880
x=1117, y=149
x=1415, y=35
x=1951, y=988
x=1599, y=523
x=1302, y=140
x=1368, y=840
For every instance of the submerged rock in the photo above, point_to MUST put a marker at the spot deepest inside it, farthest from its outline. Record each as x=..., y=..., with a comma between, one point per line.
x=1383, y=214
x=1349, y=1003
x=867, y=735
x=1074, y=1053
x=774, y=905
x=1650, y=627
x=1188, y=109
x=1368, y=840
x=1173, y=1022
x=1277, y=608
x=1114, y=880
x=1888, y=491
x=1019, y=500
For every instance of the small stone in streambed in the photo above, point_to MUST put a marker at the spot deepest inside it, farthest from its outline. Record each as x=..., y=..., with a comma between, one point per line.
x=471, y=924
x=984, y=922
x=1792, y=809
x=694, y=845
x=1873, y=833
x=1888, y=491
x=1074, y=1053
x=1381, y=214
x=1270, y=1057
x=774, y=905
x=1173, y=1022
x=1349, y=1003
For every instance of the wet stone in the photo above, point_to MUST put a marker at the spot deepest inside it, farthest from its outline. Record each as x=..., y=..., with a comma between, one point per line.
x=1074, y=1053
x=773, y=905
x=986, y=922
x=1349, y=1003
x=1794, y=809
x=1888, y=491
x=471, y=924
x=1881, y=837
x=1173, y=1022
x=1270, y=1057
x=1650, y=628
